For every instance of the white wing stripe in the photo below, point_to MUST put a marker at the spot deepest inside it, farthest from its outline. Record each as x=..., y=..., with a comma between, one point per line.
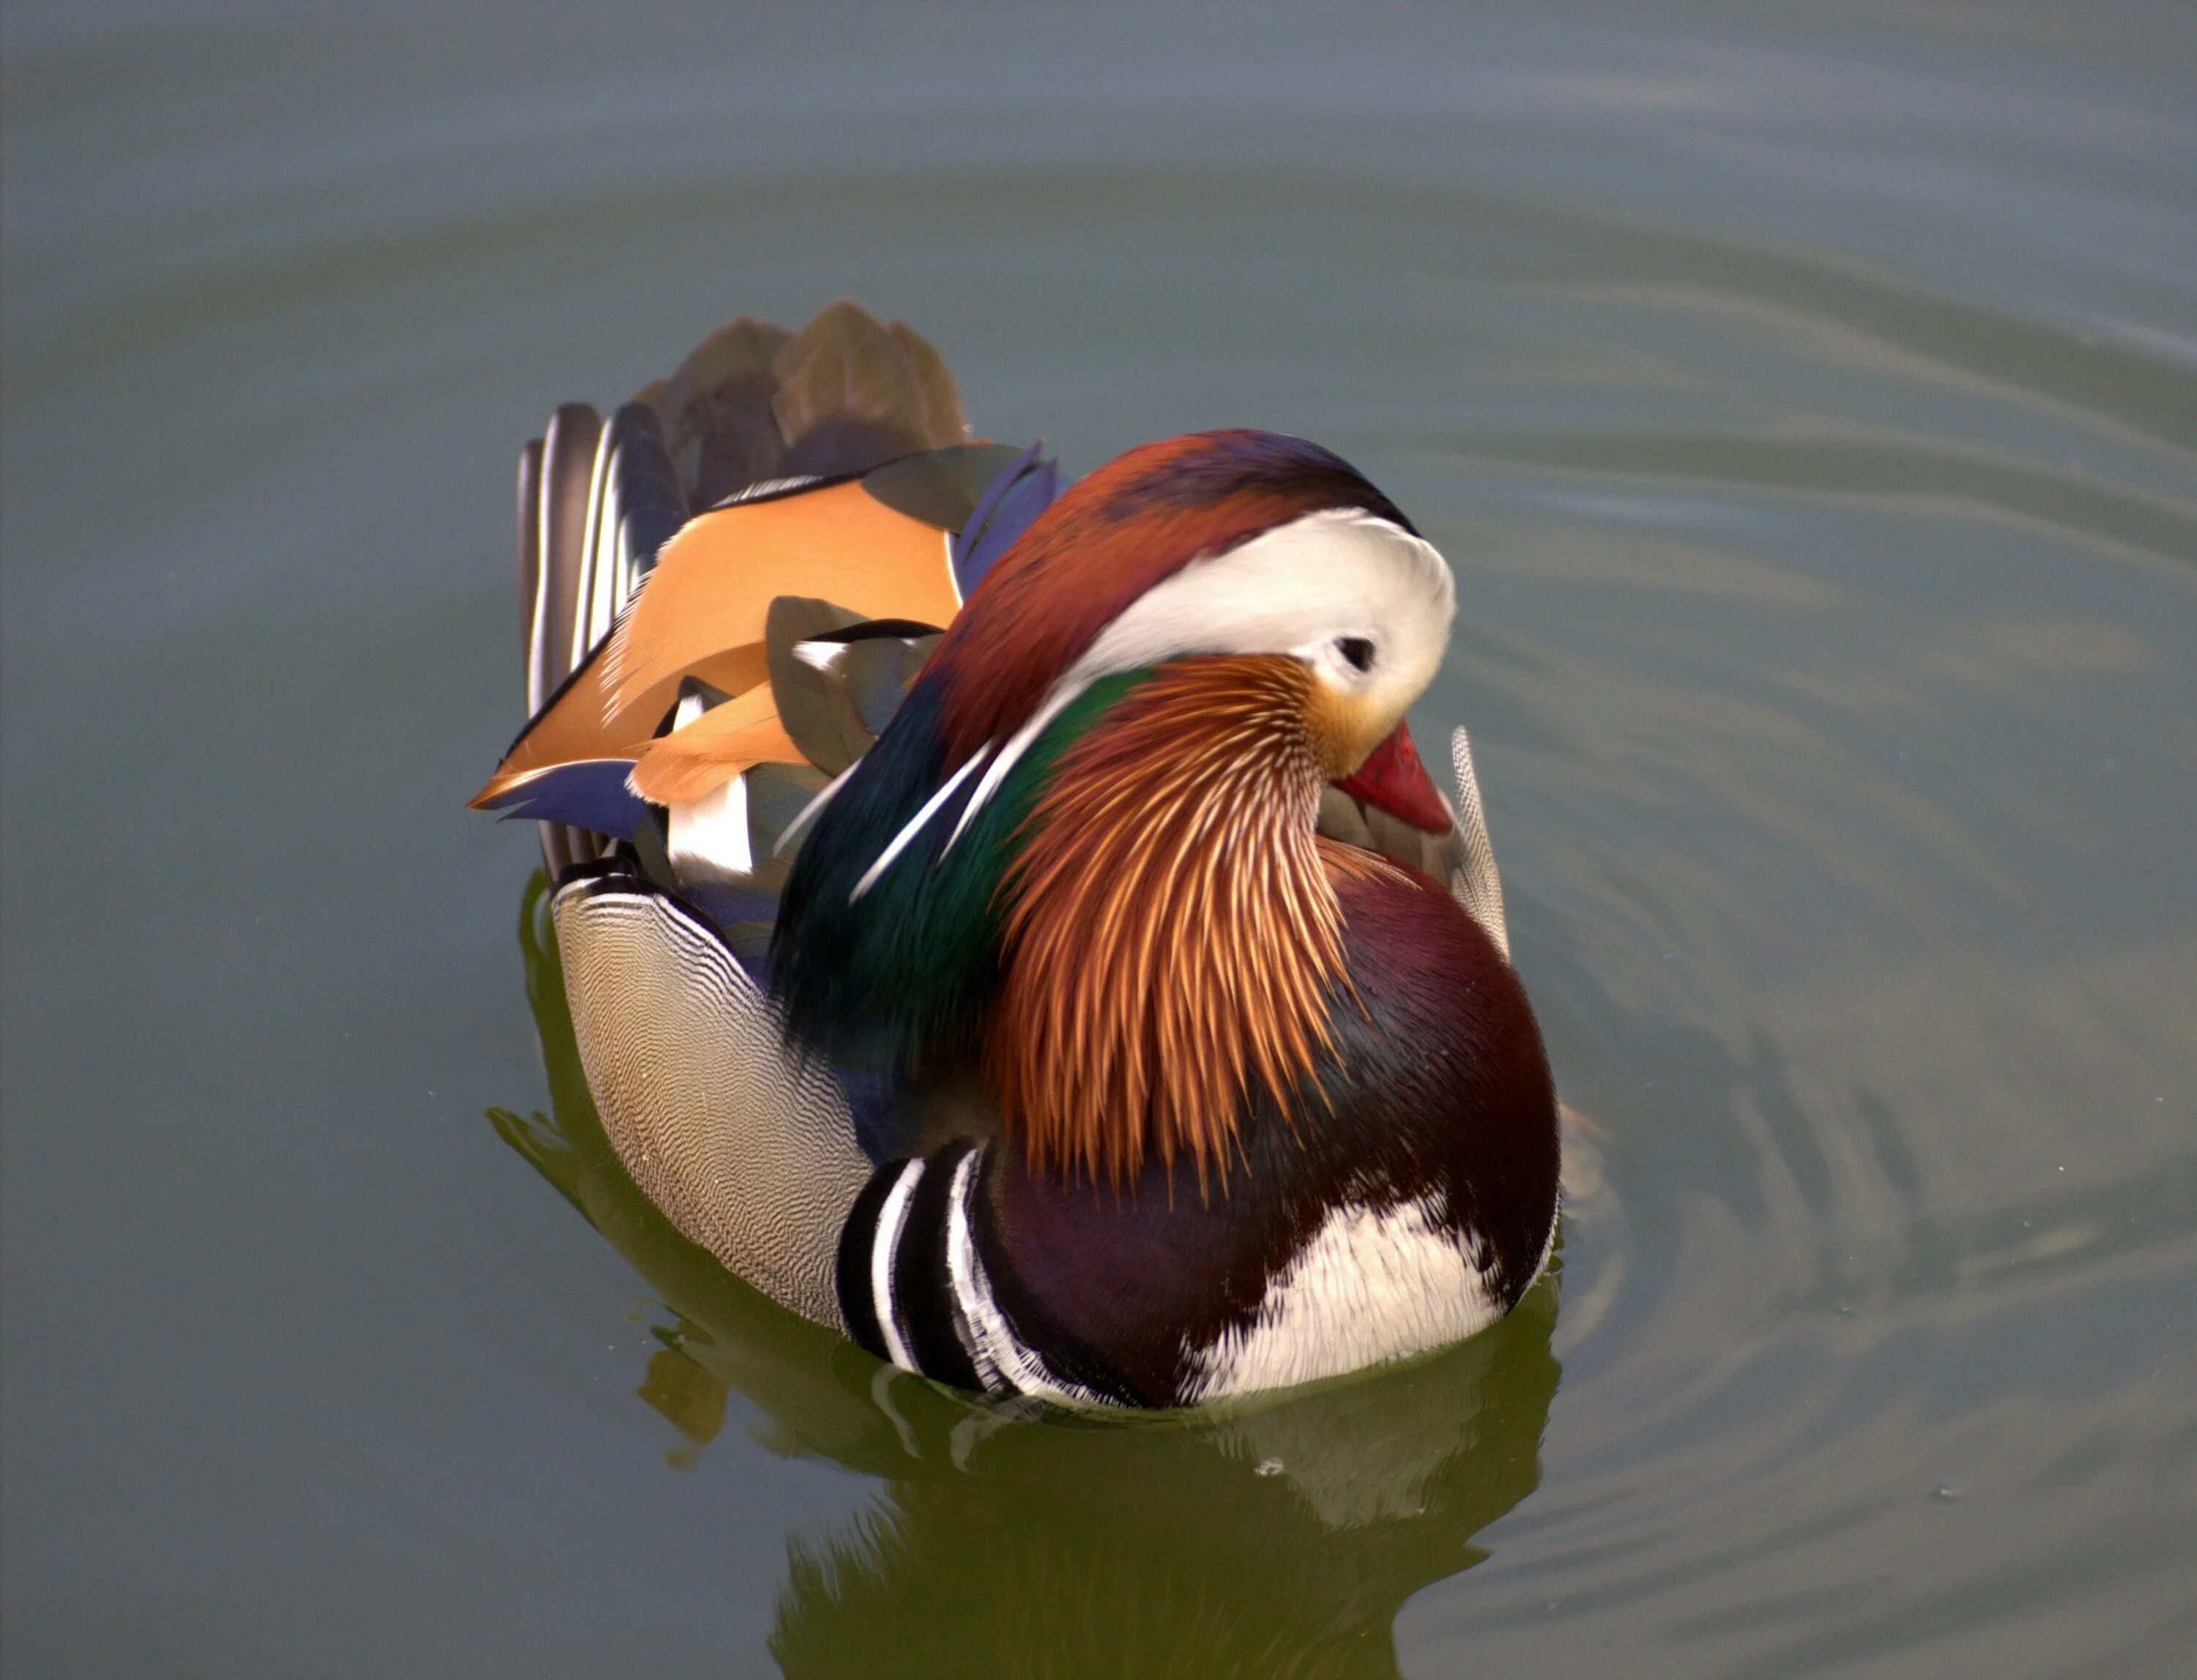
x=900, y=841
x=961, y=1268
x=814, y=808
x=892, y=1217
x=1017, y=743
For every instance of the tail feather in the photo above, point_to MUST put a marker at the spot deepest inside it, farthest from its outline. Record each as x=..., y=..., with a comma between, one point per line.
x=635, y=507
x=853, y=393
x=938, y=398
x=529, y=564
x=652, y=504
x=577, y=572
x=568, y=461
x=716, y=412
x=754, y=402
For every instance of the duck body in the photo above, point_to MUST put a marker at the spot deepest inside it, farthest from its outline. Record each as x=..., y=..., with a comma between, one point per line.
x=1131, y=1023
x=1405, y=1211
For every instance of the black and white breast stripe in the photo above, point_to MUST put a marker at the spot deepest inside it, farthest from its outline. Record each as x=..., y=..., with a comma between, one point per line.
x=916, y=1274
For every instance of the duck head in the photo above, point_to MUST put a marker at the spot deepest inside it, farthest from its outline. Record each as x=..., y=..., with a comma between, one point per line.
x=1083, y=860
x=1222, y=542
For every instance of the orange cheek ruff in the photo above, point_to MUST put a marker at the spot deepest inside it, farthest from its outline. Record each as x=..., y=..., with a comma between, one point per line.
x=1172, y=936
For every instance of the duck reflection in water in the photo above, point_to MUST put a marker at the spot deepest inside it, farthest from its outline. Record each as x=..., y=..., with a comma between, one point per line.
x=1274, y=1535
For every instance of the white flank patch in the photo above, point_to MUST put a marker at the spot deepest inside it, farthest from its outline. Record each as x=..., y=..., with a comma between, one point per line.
x=712, y=835
x=1370, y=1286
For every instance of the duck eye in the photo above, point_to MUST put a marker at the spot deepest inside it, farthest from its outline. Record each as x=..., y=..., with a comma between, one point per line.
x=1358, y=651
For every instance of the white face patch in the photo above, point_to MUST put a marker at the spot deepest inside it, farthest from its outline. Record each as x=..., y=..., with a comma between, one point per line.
x=1362, y=602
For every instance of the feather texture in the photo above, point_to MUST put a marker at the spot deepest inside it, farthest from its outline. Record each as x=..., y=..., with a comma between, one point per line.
x=899, y=978
x=692, y=762
x=529, y=567
x=853, y=393
x=1172, y=944
x=751, y=1155
x=715, y=411
x=704, y=613
x=1100, y=889
x=568, y=456
x=1023, y=489
x=603, y=504
x=886, y=949
x=714, y=582
x=1472, y=875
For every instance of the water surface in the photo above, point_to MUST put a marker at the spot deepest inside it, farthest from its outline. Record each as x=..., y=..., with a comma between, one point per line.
x=1807, y=399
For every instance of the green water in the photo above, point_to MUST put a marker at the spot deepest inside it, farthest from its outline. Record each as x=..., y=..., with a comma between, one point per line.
x=1806, y=397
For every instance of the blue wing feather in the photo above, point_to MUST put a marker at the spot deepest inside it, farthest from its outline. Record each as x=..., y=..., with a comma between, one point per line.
x=1024, y=489
x=590, y=793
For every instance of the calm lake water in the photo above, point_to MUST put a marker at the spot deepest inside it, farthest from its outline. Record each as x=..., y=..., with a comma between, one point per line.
x=1807, y=398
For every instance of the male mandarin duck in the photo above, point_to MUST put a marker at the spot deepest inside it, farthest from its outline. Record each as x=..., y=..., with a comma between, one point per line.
x=1011, y=925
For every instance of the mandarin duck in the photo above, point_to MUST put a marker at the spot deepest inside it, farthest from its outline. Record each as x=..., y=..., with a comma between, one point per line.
x=1010, y=923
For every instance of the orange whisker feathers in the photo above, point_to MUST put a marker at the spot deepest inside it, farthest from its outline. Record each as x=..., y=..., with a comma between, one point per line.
x=1172, y=934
